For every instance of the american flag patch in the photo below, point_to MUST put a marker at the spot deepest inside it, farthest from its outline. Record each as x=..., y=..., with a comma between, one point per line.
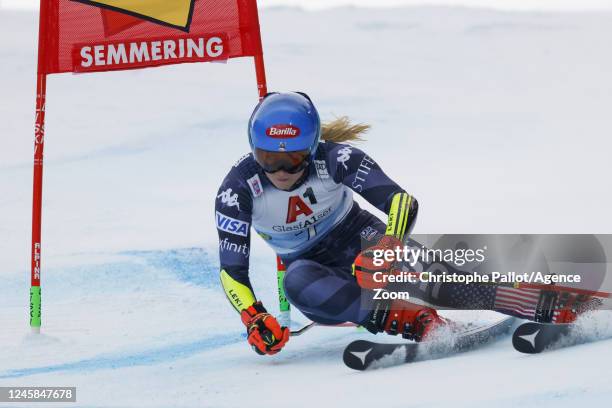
x=521, y=302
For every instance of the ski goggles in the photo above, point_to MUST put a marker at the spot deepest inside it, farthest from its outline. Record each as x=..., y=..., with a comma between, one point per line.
x=290, y=162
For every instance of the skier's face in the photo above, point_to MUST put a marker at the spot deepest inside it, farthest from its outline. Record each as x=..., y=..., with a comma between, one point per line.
x=283, y=180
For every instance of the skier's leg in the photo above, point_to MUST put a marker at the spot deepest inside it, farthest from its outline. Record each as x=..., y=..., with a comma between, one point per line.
x=331, y=295
x=516, y=302
x=525, y=303
x=533, y=304
x=324, y=294
x=321, y=285
x=320, y=282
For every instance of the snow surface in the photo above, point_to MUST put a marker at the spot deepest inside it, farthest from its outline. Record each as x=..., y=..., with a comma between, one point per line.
x=497, y=122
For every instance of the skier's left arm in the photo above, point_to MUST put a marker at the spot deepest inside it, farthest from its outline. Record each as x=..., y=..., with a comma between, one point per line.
x=355, y=169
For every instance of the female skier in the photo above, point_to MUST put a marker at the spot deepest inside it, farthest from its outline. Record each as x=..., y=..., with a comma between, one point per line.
x=297, y=194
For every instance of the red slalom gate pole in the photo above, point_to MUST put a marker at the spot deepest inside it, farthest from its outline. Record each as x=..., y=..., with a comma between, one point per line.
x=260, y=72
x=39, y=141
x=260, y=69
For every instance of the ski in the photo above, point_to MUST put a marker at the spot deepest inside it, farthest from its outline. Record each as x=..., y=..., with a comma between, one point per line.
x=533, y=338
x=364, y=354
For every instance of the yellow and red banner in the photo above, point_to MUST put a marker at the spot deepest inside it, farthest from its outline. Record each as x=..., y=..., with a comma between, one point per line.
x=106, y=35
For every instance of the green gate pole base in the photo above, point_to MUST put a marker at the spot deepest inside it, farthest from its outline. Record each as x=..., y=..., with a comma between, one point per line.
x=35, y=309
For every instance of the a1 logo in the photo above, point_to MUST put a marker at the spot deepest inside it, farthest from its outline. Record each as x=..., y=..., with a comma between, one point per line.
x=297, y=206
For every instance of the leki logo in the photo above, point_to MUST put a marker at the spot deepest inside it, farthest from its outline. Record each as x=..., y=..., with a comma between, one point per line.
x=283, y=131
x=173, y=13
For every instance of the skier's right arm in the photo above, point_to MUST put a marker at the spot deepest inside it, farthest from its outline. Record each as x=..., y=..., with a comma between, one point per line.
x=233, y=219
x=233, y=210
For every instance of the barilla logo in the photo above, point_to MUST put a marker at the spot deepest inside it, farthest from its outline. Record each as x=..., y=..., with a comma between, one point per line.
x=283, y=131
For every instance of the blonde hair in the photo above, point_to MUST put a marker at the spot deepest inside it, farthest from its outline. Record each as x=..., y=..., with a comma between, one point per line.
x=341, y=130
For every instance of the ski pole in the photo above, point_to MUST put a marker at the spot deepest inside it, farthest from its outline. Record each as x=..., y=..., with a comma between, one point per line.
x=310, y=325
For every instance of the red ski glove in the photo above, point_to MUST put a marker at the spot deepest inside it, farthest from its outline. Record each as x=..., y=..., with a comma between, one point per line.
x=367, y=263
x=265, y=335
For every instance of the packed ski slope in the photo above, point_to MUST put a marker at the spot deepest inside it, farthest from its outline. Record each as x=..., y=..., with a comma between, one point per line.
x=497, y=122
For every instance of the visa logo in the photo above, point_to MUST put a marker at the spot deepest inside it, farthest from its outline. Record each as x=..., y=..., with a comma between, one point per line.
x=232, y=225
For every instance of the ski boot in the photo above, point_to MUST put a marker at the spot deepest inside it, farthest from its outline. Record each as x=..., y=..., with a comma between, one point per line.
x=412, y=321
